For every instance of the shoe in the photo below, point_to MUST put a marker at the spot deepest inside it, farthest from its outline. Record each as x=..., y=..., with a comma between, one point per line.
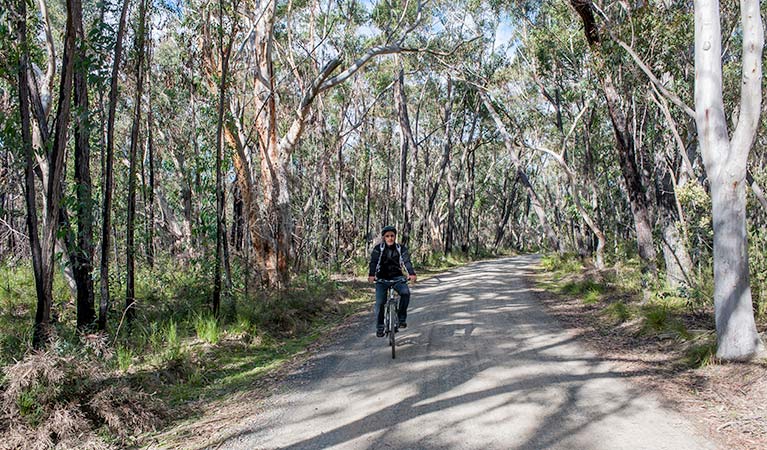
x=380, y=333
x=402, y=325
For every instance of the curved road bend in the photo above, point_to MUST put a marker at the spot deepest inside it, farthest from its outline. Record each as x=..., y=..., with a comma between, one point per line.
x=481, y=366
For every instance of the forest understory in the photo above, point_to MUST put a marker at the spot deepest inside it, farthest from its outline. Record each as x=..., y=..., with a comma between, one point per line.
x=182, y=182
x=668, y=351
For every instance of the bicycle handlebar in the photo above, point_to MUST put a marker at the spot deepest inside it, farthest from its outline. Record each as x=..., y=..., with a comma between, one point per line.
x=381, y=280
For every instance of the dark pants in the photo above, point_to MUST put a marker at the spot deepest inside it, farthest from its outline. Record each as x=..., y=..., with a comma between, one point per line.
x=382, y=287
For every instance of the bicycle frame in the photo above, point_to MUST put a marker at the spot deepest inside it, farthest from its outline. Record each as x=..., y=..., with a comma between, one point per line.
x=391, y=318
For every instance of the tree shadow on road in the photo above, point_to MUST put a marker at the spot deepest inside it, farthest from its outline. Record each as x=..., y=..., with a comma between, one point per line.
x=481, y=353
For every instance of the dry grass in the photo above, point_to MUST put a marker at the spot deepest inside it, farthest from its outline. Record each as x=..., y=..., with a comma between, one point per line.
x=54, y=401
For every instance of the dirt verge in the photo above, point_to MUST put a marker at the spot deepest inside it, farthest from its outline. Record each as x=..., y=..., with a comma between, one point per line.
x=727, y=401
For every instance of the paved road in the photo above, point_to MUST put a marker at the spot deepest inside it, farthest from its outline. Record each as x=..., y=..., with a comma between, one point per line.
x=481, y=366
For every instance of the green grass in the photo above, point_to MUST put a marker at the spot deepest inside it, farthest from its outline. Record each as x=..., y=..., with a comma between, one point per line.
x=701, y=355
x=664, y=318
x=561, y=265
x=207, y=329
x=588, y=288
x=124, y=357
x=618, y=312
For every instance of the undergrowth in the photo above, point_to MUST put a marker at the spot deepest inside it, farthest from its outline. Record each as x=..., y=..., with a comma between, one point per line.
x=90, y=390
x=657, y=312
x=175, y=348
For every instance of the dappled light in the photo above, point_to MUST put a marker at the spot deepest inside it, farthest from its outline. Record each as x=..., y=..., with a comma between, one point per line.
x=472, y=371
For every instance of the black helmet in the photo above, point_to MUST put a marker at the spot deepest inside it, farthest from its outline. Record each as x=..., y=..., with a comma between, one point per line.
x=388, y=228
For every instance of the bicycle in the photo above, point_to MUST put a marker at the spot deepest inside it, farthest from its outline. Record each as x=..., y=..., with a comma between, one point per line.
x=391, y=319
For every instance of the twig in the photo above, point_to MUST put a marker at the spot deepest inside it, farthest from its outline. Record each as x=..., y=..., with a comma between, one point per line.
x=122, y=319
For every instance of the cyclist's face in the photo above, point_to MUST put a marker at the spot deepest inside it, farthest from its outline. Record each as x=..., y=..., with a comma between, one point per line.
x=389, y=237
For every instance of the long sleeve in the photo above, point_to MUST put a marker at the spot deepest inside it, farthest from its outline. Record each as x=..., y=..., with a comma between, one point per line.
x=375, y=255
x=406, y=260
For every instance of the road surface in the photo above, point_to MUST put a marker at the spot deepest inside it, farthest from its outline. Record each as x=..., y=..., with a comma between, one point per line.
x=481, y=366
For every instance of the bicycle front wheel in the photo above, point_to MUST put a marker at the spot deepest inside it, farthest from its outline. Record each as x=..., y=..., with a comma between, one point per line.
x=392, y=329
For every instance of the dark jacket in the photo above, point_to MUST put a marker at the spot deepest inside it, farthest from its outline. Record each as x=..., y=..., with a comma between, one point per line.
x=386, y=261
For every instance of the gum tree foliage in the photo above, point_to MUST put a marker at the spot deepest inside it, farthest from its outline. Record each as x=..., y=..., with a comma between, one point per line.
x=312, y=132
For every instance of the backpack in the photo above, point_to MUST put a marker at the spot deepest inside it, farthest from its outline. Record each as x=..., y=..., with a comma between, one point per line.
x=381, y=249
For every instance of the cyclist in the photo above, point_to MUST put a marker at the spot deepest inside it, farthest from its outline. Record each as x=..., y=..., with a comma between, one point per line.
x=386, y=262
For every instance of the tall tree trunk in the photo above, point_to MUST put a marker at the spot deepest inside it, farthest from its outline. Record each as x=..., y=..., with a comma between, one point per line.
x=272, y=241
x=42, y=316
x=238, y=221
x=53, y=195
x=433, y=186
x=149, y=201
x=535, y=200
x=624, y=142
x=220, y=223
x=368, y=191
x=83, y=257
x=677, y=258
x=450, y=222
x=130, y=245
x=108, y=177
x=726, y=163
x=407, y=174
x=468, y=202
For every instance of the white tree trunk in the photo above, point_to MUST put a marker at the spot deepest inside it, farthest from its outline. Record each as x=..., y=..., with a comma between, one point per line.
x=726, y=163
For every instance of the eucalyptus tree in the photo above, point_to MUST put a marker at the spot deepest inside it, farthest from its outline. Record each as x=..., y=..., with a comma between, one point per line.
x=107, y=181
x=82, y=254
x=625, y=142
x=726, y=162
x=272, y=229
x=53, y=161
x=130, y=248
x=515, y=153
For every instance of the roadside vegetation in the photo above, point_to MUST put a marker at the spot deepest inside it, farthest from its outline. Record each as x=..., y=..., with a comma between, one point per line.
x=665, y=338
x=618, y=303
x=111, y=390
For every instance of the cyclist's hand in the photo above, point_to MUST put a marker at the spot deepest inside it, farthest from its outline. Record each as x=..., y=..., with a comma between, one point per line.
x=371, y=279
x=412, y=277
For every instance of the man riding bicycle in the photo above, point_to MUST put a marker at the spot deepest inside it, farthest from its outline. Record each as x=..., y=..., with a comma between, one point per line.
x=386, y=262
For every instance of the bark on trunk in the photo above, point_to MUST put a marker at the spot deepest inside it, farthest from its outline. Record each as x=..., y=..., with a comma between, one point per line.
x=677, y=258
x=220, y=224
x=106, y=213
x=432, y=215
x=42, y=315
x=726, y=163
x=407, y=172
x=130, y=245
x=624, y=143
x=150, y=160
x=83, y=257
